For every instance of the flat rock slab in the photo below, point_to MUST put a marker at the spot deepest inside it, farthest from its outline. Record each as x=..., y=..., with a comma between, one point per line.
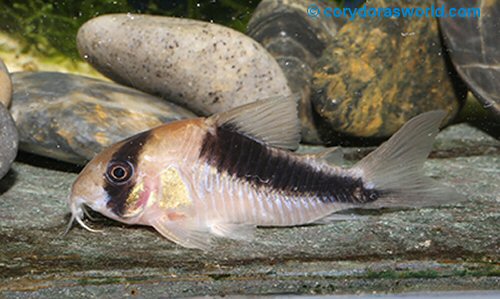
x=452, y=247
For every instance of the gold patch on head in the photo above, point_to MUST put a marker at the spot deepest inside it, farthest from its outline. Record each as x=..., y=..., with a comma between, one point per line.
x=132, y=199
x=174, y=192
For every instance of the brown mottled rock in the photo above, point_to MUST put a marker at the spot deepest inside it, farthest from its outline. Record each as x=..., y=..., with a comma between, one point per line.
x=296, y=41
x=5, y=85
x=71, y=118
x=474, y=44
x=380, y=72
x=8, y=140
x=203, y=66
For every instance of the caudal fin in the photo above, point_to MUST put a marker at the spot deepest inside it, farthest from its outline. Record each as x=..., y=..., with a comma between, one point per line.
x=395, y=168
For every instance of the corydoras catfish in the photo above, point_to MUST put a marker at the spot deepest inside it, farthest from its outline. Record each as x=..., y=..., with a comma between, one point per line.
x=227, y=174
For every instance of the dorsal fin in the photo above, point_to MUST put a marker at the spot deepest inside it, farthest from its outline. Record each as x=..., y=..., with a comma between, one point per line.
x=273, y=121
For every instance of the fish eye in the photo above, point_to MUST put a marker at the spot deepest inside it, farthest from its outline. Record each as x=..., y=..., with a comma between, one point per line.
x=119, y=172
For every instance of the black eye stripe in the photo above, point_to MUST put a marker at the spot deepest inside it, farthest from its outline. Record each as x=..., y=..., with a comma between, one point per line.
x=128, y=153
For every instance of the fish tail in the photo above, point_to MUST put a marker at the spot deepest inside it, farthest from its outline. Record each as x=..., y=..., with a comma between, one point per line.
x=395, y=169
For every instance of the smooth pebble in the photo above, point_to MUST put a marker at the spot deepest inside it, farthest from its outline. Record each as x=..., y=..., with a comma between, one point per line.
x=380, y=72
x=72, y=118
x=5, y=85
x=8, y=140
x=474, y=47
x=203, y=66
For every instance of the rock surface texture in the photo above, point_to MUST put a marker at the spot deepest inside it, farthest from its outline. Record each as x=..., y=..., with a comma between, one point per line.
x=474, y=44
x=296, y=41
x=454, y=247
x=71, y=118
x=9, y=140
x=205, y=67
x=379, y=72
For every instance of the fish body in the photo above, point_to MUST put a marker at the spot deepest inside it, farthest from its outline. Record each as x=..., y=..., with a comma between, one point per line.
x=224, y=175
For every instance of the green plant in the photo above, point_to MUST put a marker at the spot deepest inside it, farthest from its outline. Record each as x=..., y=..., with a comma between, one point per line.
x=50, y=27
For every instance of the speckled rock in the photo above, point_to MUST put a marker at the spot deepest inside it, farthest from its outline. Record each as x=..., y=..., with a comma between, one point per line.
x=380, y=72
x=474, y=44
x=205, y=67
x=8, y=140
x=71, y=118
x=296, y=41
x=5, y=85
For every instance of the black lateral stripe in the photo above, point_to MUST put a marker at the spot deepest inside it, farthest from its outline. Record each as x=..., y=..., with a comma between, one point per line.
x=129, y=151
x=247, y=159
x=239, y=161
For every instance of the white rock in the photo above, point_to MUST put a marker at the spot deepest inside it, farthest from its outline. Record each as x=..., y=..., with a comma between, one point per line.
x=5, y=85
x=203, y=66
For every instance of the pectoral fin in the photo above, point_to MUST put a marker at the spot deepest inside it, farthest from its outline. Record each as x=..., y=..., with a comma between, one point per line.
x=183, y=233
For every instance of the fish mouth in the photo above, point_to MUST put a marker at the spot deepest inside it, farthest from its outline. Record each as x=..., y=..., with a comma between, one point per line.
x=77, y=209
